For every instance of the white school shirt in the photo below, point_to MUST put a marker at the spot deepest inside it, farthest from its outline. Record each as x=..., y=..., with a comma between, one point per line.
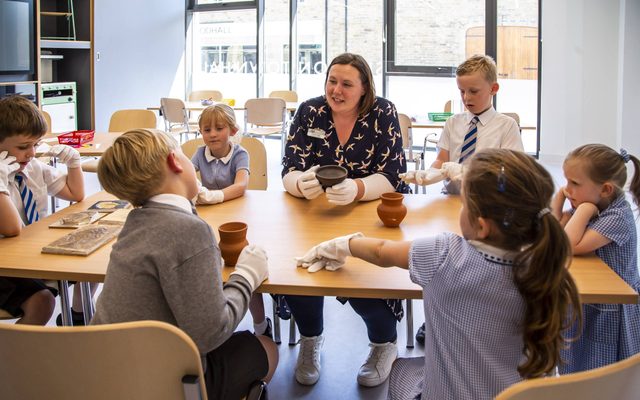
x=43, y=180
x=495, y=131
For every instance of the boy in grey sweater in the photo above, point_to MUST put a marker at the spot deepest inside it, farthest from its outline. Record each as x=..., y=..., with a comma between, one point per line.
x=166, y=264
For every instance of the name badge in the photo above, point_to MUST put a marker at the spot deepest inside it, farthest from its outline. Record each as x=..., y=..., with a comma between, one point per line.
x=316, y=133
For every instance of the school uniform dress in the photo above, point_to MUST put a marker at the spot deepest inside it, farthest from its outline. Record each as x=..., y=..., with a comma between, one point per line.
x=42, y=180
x=495, y=131
x=219, y=173
x=473, y=313
x=611, y=332
x=374, y=147
x=166, y=267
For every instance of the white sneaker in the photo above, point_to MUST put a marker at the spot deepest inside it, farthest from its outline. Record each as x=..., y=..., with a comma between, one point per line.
x=308, y=365
x=377, y=367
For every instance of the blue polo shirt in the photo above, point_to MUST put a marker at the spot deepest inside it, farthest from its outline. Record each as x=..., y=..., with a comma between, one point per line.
x=218, y=173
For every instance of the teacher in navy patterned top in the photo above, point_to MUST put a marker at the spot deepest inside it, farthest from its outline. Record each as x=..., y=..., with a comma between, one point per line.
x=351, y=127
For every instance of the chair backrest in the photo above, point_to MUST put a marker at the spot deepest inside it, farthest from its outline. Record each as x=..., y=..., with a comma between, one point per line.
x=174, y=111
x=190, y=146
x=620, y=381
x=257, y=163
x=198, y=95
x=447, y=106
x=514, y=116
x=265, y=111
x=47, y=117
x=287, y=95
x=405, y=128
x=124, y=120
x=133, y=360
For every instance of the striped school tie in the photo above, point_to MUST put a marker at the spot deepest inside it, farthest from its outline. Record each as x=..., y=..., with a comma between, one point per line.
x=30, y=207
x=469, y=143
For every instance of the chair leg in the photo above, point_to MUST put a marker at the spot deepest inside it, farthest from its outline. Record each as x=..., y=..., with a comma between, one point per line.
x=409, y=318
x=276, y=324
x=292, y=331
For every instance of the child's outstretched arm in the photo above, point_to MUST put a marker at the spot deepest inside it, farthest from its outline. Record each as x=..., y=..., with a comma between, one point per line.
x=584, y=240
x=384, y=253
x=238, y=187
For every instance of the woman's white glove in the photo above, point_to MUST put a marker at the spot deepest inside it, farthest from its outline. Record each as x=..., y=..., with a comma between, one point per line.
x=343, y=193
x=7, y=167
x=206, y=196
x=452, y=170
x=421, y=177
x=65, y=154
x=252, y=265
x=308, y=184
x=331, y=254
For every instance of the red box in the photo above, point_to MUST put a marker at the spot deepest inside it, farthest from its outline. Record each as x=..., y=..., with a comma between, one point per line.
x=75, y=138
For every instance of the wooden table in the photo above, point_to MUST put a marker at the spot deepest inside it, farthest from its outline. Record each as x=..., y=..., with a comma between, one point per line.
x=95, y=148
x=287, y=227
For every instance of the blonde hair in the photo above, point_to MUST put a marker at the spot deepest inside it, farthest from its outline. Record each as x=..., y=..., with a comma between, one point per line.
x=479, y=63
x=133, y=167
x=603, y=164
x=218, y=112
x=19, y=116
x=513, y=191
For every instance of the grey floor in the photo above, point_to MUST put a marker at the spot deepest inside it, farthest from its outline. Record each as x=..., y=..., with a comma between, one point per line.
x=346, y=343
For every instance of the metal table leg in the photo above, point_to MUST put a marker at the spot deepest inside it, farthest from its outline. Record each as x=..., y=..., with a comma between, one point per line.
x=409, y=317
x=276, y=324
x=65, y=306
x=87, y=301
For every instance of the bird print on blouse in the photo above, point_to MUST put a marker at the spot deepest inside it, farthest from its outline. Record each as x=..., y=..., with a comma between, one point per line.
x=374, y=146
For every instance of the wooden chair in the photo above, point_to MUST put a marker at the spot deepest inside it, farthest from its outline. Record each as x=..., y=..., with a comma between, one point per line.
x=133, y=360
x=287, y=95
x=190, y=146
x=620, y=381
x=258, y=179
x=122, y=121
x=47, y=117
x=264, y=117
x=176, y=117
x=198, y=95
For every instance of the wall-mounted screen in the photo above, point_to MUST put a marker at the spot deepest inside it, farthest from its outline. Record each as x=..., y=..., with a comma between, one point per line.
x=17, y=37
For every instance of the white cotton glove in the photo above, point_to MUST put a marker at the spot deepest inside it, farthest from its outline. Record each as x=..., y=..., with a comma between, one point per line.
x=252, y=265
x=421, y=177
x=343, y=193
x=308, y=184
x=7, y=167
x=66, y=155
x=452, y=170
x=206, y=196
x=331, y=254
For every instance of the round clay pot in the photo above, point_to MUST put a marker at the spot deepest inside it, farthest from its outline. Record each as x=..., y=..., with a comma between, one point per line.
x=233, y=238
x=329, y=175
x=391, y=210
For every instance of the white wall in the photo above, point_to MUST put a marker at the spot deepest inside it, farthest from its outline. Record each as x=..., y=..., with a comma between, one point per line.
x=589, y=91
x=141, y=54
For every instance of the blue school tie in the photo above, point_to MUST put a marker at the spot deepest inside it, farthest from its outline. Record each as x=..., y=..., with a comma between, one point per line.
x=469, y=143
x=30, y=208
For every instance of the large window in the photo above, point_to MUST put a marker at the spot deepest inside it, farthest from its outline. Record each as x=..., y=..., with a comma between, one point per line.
x=412, y=46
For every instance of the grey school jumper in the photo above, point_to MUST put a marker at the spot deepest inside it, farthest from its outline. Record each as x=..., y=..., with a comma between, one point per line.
x=166, y=267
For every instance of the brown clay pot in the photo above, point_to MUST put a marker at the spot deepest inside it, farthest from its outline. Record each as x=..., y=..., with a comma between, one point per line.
x=233, y=238
x=391, y=210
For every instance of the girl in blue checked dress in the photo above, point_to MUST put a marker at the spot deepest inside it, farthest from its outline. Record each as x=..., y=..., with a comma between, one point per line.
x=496, y=299
x=600, y=220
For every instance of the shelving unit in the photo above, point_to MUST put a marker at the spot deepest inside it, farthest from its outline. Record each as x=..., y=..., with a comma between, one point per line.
x=66, y=50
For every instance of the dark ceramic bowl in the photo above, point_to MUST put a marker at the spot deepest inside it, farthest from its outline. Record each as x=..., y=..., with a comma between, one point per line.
x=329, y=175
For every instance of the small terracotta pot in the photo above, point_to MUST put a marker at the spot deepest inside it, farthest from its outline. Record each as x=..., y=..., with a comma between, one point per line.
x=233, y=238
x=391, y=210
